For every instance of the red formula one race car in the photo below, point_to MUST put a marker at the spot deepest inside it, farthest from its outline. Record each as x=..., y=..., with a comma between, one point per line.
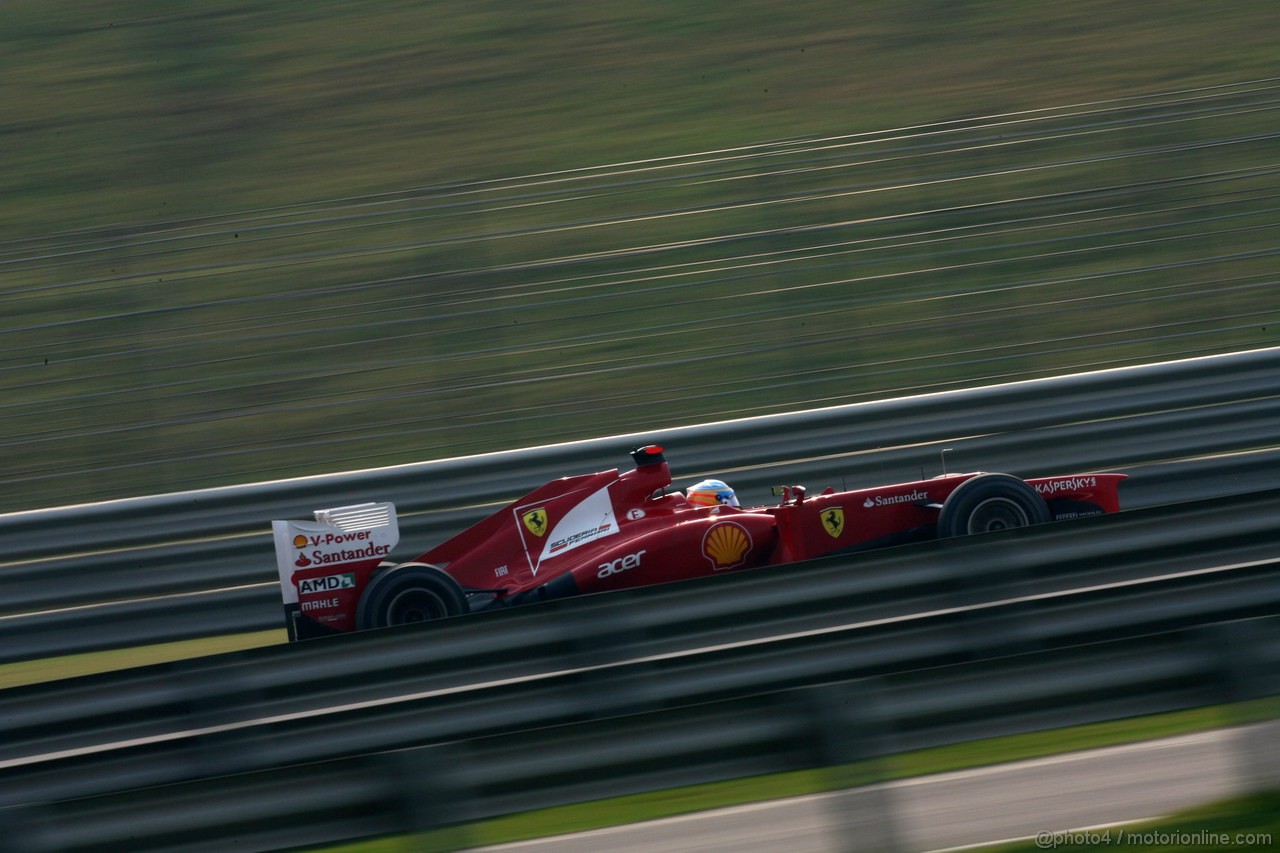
x=611, y=530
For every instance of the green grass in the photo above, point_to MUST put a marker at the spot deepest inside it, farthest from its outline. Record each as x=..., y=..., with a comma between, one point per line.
x=678, y=801
x=247, y=241
x=70, y=666
x=125, y=111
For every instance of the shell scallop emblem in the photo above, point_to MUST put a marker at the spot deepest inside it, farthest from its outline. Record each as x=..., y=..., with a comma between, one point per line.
x=726, y=545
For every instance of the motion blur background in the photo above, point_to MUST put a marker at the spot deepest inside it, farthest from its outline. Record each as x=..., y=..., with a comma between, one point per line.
x=244, y=241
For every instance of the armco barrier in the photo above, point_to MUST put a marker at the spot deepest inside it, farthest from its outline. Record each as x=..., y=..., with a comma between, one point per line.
x=765, y=602
x=830, y=726
x=931, y=605
x=750, y=442
x=168, y=567
x=155, y=619
x=209, y=744
x=123, y=557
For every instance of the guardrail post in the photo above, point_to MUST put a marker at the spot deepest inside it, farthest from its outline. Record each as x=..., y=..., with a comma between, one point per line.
x=851, y=740
x=213, y=697
x=596, y=643
x=20, y=829
x=432, y=799
x=985, y=633
x=1247, y=676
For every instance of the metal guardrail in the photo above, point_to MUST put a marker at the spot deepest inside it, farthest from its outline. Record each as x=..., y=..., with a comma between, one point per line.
x=172, y=567
x=164, y=611
x=210, y=743
x=930, y=605
x=832, y=726
x=97, y=577
x=445, y=484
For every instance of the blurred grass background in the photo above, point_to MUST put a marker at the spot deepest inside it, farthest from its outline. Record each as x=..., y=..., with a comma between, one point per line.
x=243, y=242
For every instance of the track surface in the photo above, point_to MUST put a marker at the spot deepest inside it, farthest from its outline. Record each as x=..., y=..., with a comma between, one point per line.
x=982, y=806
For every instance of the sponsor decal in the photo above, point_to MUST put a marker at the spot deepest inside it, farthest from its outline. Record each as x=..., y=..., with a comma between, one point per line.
x=1063, y=516
x=501, y=571
x=327, y=583
x=890, y=500
x=573, y=540
x=726, y=545
x=332, y=538
x=322, y=547
x=321, y=604
x=361, y=533
x=591, y=519
x=833, y=521
x=620, y=565
x=535, y=520
x=320, y=557
x=1067, y=484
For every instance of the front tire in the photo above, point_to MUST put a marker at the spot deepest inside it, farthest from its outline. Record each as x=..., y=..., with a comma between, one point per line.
x=408, y=593
x=989, y=503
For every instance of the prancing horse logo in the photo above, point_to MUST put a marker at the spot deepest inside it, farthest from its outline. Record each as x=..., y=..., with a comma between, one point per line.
x=833, y=521
x=536, y=521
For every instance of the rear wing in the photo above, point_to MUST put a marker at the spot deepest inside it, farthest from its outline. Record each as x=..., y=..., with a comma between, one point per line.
x=325, y=564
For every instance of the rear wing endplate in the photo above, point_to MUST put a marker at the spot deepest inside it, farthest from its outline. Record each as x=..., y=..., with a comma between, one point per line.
x=341, y=538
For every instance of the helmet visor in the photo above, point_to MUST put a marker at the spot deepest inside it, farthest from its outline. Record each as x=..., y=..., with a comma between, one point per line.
x=727, y=497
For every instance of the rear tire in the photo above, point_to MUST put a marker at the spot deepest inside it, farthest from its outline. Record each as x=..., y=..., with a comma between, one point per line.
x=412, y=592
x=989, y=503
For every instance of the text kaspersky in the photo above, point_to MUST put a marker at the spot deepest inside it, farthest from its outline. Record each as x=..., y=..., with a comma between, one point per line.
x=1067, y=484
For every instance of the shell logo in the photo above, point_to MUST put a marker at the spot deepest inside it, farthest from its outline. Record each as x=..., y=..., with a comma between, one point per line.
x=299, y=541
x=726, y=545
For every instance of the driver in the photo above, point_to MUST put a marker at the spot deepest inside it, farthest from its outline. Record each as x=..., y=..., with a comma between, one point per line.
x=711, y=493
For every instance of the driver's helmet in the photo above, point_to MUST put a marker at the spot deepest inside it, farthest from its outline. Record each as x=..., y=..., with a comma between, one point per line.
x=711, y=493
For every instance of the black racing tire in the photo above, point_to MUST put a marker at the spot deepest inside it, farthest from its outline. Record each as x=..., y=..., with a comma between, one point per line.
x=411, y=592
x=988, y=503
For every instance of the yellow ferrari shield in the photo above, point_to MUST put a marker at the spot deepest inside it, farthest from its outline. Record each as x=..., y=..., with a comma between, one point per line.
x=535, y=520
x=833, y=521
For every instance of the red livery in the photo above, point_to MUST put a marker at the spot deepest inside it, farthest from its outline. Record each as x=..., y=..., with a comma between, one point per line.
x=611, y=530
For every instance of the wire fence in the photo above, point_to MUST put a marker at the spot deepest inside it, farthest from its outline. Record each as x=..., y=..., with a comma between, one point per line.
x=433, y=322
